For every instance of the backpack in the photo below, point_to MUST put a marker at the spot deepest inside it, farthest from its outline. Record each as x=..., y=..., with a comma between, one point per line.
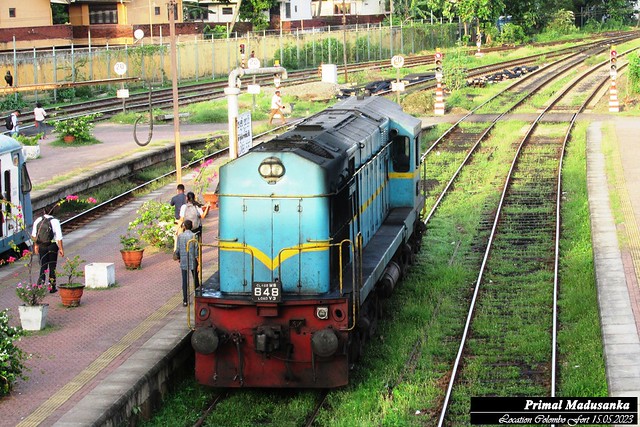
x=45, y=231
x=8, y=123
x=191, y=213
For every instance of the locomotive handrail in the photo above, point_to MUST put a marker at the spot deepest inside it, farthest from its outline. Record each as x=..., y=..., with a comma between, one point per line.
x=356, y=285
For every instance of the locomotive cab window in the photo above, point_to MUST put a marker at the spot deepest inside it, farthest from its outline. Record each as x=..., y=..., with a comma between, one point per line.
x=401, y=153
x=25, y=180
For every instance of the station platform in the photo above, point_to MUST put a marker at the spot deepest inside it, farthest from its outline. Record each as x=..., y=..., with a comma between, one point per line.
x=90, y=357
x=102, y=338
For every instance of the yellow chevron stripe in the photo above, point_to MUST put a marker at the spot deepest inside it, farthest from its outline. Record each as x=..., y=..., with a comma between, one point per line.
x=404, y=175
x=272, y=264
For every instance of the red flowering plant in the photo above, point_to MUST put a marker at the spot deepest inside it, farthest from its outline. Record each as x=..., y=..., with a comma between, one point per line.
x=72, y=204
x=206, y=172
x=27, y=290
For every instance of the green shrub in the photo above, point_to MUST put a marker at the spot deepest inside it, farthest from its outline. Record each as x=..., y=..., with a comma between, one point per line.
x=155, y=224
x=12, y=358
x=512, y=34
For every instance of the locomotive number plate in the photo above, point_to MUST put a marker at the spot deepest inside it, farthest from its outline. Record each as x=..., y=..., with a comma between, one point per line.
x=267, y=291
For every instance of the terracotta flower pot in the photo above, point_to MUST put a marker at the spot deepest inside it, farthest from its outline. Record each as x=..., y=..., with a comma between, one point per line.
x=68, y=138
x=132, y=259
x=70, y=295
x=212, y=199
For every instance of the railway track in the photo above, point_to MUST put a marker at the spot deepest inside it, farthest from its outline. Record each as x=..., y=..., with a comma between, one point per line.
x=520, y=259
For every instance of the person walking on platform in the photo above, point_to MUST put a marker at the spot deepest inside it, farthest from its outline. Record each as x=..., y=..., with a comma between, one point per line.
x=39, y=115
x=178, y=200
x=188, y=259
x=192, y=211
x=47, y=237
x=14, y=122
x=276, y=107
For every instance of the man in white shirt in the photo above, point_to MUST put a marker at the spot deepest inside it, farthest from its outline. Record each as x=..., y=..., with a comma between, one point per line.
x=276, y=107
x=48, y=245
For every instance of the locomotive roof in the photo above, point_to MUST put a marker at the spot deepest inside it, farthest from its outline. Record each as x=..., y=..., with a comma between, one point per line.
x=332, y=133
x=8, y=144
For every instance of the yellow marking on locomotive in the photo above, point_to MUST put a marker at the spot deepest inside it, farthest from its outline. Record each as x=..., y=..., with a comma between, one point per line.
x=272, y=264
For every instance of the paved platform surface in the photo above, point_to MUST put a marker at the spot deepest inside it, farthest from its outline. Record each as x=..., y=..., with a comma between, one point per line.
x=85, y=346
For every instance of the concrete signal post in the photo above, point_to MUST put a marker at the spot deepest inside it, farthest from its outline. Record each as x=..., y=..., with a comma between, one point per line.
x=438, y=106
x=614, y=105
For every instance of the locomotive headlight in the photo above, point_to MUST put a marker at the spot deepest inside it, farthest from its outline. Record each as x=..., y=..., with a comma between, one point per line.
x=322, y=312
x=271, y=169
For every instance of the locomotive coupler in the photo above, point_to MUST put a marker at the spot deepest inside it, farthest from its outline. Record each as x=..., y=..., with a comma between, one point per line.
x=267, y=339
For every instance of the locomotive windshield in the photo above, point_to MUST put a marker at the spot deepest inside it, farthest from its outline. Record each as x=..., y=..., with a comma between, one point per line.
x=400, y=153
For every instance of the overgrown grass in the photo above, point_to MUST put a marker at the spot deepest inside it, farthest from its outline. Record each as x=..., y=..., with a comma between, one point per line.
x=581, y=360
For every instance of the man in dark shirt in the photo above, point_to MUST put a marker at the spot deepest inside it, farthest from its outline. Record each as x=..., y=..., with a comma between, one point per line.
x=178, y=200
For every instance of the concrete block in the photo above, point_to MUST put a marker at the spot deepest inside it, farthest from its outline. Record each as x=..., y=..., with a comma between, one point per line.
x=99, y=275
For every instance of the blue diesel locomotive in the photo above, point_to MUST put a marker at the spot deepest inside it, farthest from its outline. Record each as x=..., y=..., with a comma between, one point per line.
x=15, y=201
x=315, y=226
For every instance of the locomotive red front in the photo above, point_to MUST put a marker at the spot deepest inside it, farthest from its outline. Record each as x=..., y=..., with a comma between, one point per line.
x=299, y=343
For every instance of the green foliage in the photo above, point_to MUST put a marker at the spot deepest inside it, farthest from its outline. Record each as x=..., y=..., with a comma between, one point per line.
x=80, y=127
x=12, y=358
x=28, y=140
x=419, y=103
x=634, y=72
x=253, y=11
x=60, y=13
x=217, y=32
x=130, y=242
x=67, y=93
x=329, y=47
x=512, y=34
x=13, y=102
x=454, y=69
x=154, y=224
x=72, y=271
x=561, y=22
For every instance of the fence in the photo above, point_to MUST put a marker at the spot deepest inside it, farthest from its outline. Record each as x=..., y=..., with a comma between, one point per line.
x=204, y=59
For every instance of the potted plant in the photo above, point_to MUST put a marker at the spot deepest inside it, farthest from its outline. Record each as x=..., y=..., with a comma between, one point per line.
x=132, y=251
x=76, y=128
x=33, y=313
x=30, y=145
x=71, y=291
x=206, y=174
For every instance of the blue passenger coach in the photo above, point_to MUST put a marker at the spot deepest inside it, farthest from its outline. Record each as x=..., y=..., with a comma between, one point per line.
x=16, y=217
x=314, y=226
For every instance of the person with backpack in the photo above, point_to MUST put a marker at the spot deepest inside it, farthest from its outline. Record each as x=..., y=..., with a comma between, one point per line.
x=11, y=122
x=47, y=238
x=193, y=212
x=188, y=259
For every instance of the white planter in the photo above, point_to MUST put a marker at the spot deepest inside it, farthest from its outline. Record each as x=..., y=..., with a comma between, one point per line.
x=31, y=151
x=33, y=317
x=99, y=275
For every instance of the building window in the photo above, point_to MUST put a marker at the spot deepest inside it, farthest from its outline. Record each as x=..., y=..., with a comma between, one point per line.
x=337, y=8
x=157, y=10
x=12, y=12
x=287, y=10
x=103, y=14
x=227, y=11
